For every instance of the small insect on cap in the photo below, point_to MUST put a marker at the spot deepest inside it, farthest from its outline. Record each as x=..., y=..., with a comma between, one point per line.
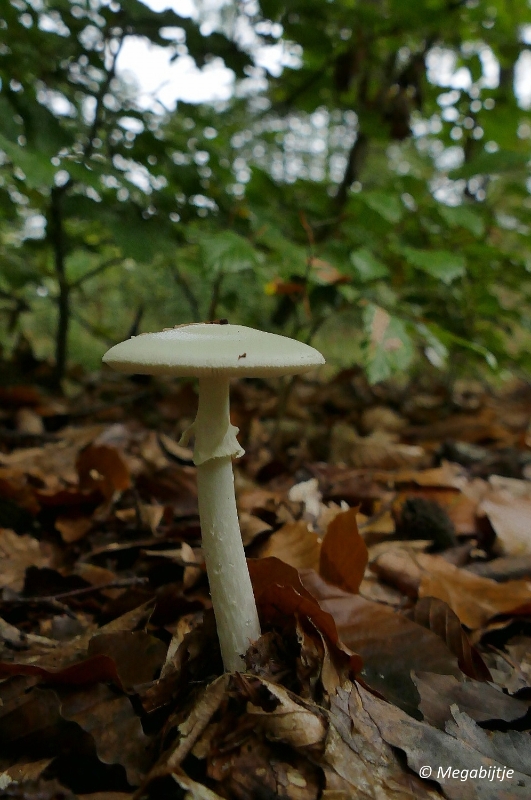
x=208, y=349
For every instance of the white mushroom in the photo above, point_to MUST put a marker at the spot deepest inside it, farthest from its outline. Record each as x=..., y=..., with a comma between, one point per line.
x=215, y=353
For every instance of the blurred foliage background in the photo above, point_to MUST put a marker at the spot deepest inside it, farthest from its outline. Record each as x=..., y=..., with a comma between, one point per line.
x=371, y=197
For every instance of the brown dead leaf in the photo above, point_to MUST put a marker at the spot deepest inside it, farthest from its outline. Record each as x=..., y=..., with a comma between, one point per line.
x=136, y=654
x=510, y=516
x=27, y=770
x=111, y=722
x=256, y=499
x=28, y=421
x=358, y=763
x=14, y=486
x=378, y=450
x=343, y=552
x=510, y=749
x=426, y=746
x=481, y=701
x=290, y=721
x=259, y=769
x=54, y=465
x=251, y=527
x=279, y=592
x=475, y=600
x=390, y=644
x=74, y=528
x=193, y=789
x=17, y=553
x=103, y=467
x=294, y=544
x=191, y=729
x=82, y=661
x=437, y=616
x=398, y=566
x=448, y=475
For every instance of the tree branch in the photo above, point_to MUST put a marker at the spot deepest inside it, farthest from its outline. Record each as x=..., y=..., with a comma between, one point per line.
x=214, y=300
x=63, y=301
x=356, y=159
x=93, y=272
x=184, y=286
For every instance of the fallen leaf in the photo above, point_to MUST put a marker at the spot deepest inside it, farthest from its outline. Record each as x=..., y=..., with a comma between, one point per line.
x=251, y=527
x=193, y=789
x=437, y=616
x=111, y=722
x=509, y=516
x=343, y=552
x=73, y=528
x=71, y=663
x=197, y=720
x=475, y=600
x=481, y=701
x=103, y=467
x=28, y=770
x=279, y=592
x=290, y=721
x=294, y=544
x=436, y=751
x=17, y=553
x=378, y=450
x=390, y=644
x=512, y=749
x=15, y=486
x=357, y=762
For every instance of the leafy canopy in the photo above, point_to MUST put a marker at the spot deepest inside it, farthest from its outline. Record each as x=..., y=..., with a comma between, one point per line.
x=373, y=194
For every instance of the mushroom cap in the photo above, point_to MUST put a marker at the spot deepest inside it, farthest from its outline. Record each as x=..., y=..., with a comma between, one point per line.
x=208, y=349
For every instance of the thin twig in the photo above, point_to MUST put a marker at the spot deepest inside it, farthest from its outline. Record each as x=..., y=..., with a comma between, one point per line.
x=117, y=584
x=96, y=271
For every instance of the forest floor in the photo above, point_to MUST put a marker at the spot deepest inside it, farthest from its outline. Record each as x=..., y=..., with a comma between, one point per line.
x=388, y=532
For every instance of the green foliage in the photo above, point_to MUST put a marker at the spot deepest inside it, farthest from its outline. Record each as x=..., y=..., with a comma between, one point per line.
x=382, y=177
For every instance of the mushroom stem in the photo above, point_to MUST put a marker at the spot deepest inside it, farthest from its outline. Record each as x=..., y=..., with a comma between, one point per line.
x=230, y=585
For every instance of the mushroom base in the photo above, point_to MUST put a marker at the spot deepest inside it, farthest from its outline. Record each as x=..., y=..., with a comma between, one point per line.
x=230, y=585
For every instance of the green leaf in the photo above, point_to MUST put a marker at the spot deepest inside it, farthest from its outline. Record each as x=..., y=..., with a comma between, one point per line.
x=443, y=265
x=17, y=272
x=385, y=204
x=492, y=164
x=446, y=336
x=435, y=351
x=464, y=217
x=388, y=346
x=368, y=267
x=227, y=252
x=37, y=168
